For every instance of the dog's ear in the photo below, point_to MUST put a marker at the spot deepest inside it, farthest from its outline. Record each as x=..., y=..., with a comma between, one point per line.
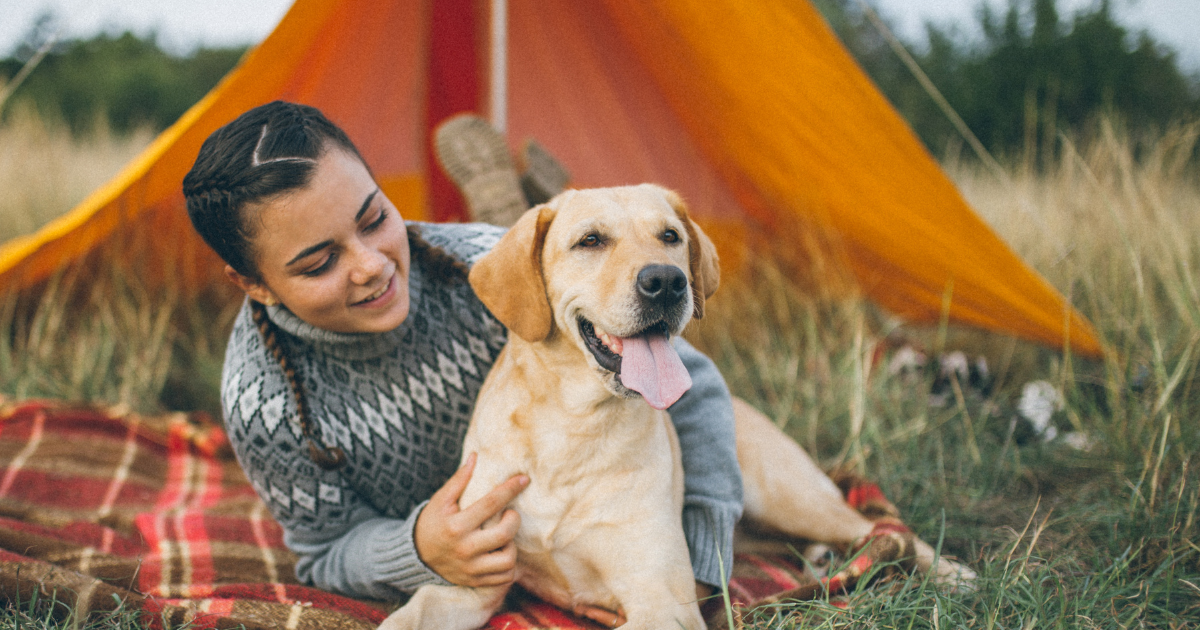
x=508, y=279
x=702, y=257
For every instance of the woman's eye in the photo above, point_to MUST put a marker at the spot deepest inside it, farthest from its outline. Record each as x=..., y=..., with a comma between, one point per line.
x=670, y=236
x=383, y=214
x=323, y=267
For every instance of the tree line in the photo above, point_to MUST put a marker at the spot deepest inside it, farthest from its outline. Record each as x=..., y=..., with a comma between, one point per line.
x=1032, y=74
x=124, y=81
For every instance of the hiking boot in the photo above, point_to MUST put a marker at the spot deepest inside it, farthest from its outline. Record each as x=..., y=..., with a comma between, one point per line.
x=475, y=157
x=544, y=177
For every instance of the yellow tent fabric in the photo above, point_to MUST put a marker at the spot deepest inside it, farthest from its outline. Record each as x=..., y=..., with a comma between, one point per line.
x=753, y=110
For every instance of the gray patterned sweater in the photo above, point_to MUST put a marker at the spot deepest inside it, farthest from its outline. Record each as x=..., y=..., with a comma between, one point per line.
x=398, y=404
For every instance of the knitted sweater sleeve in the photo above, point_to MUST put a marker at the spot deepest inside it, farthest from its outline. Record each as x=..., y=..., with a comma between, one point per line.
x=375, y=558
x=712, y=501
x=344, y=545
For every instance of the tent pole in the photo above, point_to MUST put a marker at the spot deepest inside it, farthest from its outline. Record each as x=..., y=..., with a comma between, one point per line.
x=499, y=78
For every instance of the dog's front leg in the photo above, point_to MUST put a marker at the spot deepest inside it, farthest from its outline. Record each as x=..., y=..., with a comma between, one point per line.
x=447, y=608
x=650, y=577
x=655, y=606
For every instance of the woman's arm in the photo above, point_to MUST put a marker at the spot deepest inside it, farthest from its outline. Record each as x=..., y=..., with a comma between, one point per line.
x=344, y=543
x=712, y=502
x=346, y=546
x=437, y=544
x=374, y=558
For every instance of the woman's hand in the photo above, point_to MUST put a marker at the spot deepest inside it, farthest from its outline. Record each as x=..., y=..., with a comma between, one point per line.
x=473, y=546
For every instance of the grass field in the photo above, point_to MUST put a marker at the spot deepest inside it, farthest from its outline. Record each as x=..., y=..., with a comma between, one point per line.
x=44, y=171
x=1094, y=528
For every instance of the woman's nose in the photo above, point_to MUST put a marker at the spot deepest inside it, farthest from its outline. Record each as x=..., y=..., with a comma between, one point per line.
x=368, y=265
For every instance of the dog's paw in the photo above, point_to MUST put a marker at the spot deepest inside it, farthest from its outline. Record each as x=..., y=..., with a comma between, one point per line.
x=954, y=576
x=949, y=574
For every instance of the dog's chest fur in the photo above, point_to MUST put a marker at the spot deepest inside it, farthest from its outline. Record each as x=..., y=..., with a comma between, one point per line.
x=600, y=470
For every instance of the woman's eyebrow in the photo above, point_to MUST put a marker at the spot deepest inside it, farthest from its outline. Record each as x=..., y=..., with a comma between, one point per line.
x=366, y=204
x=309, y=251
x=323, y=244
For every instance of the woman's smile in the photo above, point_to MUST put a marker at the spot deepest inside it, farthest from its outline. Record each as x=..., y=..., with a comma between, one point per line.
x=380, y=297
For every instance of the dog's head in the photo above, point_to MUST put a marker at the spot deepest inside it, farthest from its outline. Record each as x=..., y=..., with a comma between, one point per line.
x=618, y=271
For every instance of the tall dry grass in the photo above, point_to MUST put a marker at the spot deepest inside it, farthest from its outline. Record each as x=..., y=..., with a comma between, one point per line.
x=104, y=337
x=1111, y=216
x=44, y=171
x=94, y=333
x=1116, y=225
x=1094, y=530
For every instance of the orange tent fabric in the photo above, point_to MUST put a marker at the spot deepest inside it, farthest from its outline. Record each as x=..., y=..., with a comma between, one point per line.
x=753, y=111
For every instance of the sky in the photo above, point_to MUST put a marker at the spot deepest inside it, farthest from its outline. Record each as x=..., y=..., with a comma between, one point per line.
x=183, y=24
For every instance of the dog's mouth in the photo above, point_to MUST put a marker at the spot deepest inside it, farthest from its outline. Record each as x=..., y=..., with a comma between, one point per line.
x=645, y=362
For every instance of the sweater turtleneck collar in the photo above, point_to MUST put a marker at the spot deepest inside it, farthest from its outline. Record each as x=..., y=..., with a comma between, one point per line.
x=352, y=346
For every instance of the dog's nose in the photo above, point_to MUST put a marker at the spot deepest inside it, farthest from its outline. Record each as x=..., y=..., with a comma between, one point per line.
x=664, y=284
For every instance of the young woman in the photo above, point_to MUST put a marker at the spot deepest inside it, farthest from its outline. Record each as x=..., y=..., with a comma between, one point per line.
x=353, y=367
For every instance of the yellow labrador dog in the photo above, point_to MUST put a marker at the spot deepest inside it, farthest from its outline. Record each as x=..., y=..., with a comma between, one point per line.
x=592, y=286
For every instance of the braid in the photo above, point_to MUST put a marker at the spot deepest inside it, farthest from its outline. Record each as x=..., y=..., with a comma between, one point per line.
x=441, y=264
x=327, y=457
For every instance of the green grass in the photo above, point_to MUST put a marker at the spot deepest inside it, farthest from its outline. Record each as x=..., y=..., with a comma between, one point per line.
x=48, y=613
x=1062, y=537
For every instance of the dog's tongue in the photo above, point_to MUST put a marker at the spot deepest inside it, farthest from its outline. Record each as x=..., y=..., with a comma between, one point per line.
x=651, y=367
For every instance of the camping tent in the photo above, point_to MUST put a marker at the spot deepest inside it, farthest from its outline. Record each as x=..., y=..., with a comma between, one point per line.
x=752, y=110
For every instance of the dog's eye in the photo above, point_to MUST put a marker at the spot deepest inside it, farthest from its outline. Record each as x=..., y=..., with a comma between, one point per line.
x=591, y=240
x=670, y=236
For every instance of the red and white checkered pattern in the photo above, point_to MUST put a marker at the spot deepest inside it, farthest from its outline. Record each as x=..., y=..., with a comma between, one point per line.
x=154, y=510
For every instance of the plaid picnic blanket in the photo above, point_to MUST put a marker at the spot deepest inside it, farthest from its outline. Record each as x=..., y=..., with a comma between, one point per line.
x=154, y=510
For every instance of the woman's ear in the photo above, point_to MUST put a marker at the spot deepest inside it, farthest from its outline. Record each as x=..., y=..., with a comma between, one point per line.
x=255, y=290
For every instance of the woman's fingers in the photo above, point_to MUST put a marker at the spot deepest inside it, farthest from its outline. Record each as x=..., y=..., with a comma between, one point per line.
x=438, y=534
x=493, y=535
x=490, y=504
x=494, y=579
x=497, y=564
x=473, y=546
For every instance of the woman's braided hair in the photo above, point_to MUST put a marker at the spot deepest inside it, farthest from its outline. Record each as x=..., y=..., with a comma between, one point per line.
x=438, y=264
x=267, y=152
x=327, y=457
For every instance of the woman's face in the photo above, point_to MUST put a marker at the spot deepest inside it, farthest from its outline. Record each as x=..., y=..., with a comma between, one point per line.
x=334, y=253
